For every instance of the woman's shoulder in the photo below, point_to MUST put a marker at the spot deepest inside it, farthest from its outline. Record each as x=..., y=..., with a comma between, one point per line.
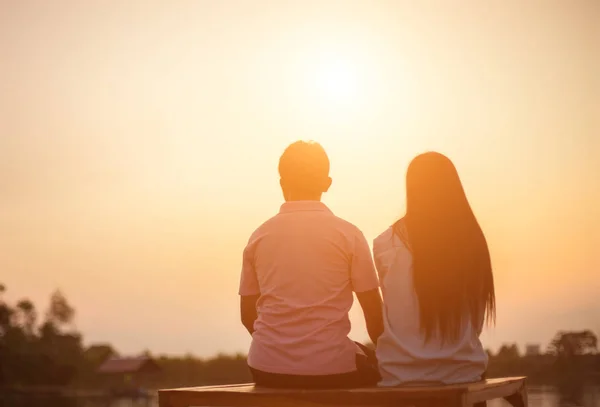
x=389, y=252
x=384, y=237
x=387, y=240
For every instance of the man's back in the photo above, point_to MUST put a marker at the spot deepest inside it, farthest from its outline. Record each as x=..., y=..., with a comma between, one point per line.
x=305, y=262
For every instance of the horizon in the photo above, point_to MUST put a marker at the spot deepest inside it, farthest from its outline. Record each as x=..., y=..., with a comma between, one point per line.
x=139, y=146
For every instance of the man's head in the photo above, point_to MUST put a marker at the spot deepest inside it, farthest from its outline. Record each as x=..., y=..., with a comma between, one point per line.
x=304, y=171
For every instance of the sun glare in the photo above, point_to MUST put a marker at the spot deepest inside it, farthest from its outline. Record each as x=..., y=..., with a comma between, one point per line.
x=338, y=86
x=337, y=83
x=334, y=89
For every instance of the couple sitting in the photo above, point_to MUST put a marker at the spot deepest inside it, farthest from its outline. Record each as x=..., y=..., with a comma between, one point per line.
x=301, y=267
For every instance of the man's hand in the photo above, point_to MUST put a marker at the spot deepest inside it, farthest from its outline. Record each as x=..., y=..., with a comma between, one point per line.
x=372, y=306
x=248, y=311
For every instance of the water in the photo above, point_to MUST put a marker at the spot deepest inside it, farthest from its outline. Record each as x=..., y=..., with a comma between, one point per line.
x=538, y=397
x=548, y=397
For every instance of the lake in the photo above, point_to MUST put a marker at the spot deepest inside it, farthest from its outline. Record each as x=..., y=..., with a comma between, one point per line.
x=538, y=397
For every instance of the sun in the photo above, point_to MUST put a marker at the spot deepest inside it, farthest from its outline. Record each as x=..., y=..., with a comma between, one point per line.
x=337, y=83
x=336, y=88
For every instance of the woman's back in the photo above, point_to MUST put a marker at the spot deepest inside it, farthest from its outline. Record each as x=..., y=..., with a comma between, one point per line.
x=404, y=356
x=438, y=287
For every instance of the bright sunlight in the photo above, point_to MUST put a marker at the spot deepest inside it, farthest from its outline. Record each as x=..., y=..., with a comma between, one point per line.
x=335, y=82
x=338, y=83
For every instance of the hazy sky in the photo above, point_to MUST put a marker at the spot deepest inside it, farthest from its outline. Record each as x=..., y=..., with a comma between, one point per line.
x=139, y=143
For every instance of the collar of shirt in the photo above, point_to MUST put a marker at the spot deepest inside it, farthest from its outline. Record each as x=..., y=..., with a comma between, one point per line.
x=303, y=206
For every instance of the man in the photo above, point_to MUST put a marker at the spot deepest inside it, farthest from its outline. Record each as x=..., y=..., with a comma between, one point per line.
x=299, y=271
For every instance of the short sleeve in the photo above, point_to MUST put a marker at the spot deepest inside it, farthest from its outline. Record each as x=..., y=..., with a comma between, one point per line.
x=379, y=256
x=390, y=252
x=248, y=280
x=362, y=270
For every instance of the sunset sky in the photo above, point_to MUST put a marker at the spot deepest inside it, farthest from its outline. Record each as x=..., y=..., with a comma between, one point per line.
x=139, y=143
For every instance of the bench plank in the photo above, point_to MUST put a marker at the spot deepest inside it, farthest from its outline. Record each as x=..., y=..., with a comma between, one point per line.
x=246, y=395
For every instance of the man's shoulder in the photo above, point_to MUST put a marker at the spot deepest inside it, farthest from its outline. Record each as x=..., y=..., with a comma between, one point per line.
x=346, y=227
x=329, y=220
x=263, y=227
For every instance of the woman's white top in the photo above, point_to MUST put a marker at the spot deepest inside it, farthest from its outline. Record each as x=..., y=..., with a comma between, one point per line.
x=403, y=355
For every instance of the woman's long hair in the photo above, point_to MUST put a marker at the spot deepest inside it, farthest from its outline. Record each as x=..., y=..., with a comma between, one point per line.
x=452, y=271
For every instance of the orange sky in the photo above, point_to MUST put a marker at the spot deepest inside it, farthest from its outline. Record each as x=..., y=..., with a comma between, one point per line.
x=139, y=146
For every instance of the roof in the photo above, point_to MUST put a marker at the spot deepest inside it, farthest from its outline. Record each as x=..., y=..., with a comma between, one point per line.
x=127, y=365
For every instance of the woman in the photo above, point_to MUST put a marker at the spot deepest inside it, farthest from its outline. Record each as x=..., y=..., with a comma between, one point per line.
x=437, y=283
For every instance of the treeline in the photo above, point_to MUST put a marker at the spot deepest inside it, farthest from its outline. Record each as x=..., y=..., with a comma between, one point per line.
x=192, y=371
x=570, y=356
x=39, y=353
x=48, y=351
x=39, y=350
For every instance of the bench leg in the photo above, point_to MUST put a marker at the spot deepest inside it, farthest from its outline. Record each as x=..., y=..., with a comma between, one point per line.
x=519, y=399
x=164, y=400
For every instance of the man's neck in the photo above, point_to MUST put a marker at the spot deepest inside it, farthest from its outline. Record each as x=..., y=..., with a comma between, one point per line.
x=307, y=197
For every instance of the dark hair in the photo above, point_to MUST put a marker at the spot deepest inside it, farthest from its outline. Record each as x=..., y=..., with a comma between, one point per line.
x=452, y=272
x=304, y=165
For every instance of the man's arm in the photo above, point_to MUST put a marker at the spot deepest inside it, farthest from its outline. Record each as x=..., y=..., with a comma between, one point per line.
x=366, y=286
x=249, y=289
x=248, y=311
x=372, y=306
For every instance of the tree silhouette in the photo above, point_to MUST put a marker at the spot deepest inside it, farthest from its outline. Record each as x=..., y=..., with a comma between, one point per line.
x=26, y=316
x=569, y=344
x=38, y=355
x=98, y=354
x=508, y=352
x=572, y=367
x=60, y=312
x=5, y=313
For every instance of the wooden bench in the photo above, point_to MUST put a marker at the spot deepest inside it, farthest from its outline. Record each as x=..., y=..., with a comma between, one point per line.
x=247, y=395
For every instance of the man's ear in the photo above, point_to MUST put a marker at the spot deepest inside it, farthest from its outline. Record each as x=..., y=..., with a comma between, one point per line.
x=283, y=189
x=327, y=184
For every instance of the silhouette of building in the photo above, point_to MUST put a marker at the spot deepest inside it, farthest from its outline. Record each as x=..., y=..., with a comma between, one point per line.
x=129, y=375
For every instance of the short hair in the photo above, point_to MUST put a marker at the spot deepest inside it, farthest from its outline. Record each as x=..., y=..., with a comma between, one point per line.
x=304, y=165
